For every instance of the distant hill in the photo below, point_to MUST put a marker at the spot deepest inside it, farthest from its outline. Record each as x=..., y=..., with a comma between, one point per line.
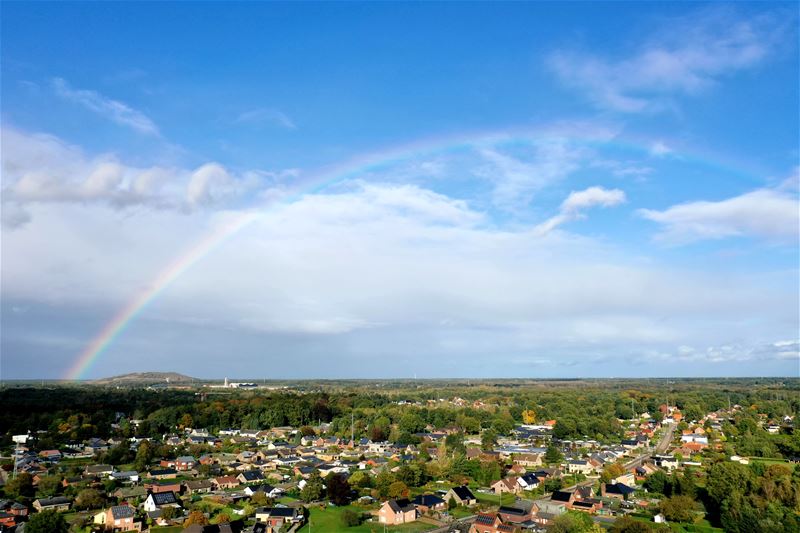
x=144, y=378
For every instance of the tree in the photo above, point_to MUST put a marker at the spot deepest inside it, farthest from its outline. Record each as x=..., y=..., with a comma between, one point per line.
x=553, y=455
x=398, y=489
x=48, y=486
x=350, y=518
x=314, y=488
x=383, y=481
x=488, y=439
x=657, y=482
x=307, y=431
x=144, y=455
x=259, y=499
x=338, y=489
x=454, y=442
x=20, y=486
x=196, y=517
x=89, y=499
x=574, y=522
x=411, y=423
x=678, y=508
x=169, y=513
x=725, y=478
x=360, y=479
x=611, y=471
x=47, y=522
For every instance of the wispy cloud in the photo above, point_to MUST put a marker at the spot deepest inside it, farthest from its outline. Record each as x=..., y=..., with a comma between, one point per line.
x=691, y=56
x=766, y=213
x=572, y=208
x=266, y=115
x=112, y=110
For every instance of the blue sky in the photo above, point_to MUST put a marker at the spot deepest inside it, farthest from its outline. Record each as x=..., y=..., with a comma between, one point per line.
x=574, y=189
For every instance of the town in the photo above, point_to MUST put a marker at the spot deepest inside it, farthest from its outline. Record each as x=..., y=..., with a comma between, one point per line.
x=478, y=457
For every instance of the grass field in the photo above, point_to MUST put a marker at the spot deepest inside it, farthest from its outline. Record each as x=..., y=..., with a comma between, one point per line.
x=168, y=529
x=329, y=519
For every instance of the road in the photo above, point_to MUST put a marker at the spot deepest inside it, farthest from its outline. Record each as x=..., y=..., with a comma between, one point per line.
x=666, y=439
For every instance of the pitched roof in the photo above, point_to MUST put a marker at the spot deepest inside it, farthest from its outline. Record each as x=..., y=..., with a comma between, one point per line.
x=561, y=496
x=164, y=498
x=463, y=493
x=428, y=500
x=122, y=511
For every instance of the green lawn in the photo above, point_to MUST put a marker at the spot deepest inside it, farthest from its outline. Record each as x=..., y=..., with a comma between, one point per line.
x=767, y=461
x=495, y=499
x=329, y=519
x=700, y=527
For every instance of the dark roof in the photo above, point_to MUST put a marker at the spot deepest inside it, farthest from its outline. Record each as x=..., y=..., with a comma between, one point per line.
x=530, y=479
x=164, y=498
x=58, y=500
x=561, y=496
x=262, y=488
x=464, y=493
x=512, y=510
x=122, y=511
x=163, y=471
x=402, y=505
x=252, y=475
x=619, y=488
x=428, y=500
x=485, y=519
x=285, y=512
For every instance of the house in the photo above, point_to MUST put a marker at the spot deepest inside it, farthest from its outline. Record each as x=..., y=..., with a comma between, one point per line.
x=506, y=485
x=99, y=470
x=528, y=459
x=128, y=476
x=50, y=455
x=278, y=517
x=250, y=476
x=118, y=518
x=199, y=486
x=462, y=495
x=185, y=462
x=521, y=511
x=616, y=490
x=580, y=467
x=588, y=505
x=58, y=503
x=667, y=462
x=429, y=502
x=129, y=493
x=168, y=485
x=563, y=496
x=546, y=510
x=156, y=501
x=491, y=523
x=226, y=482
x=163, y=473
x=394, y=512
x=528, y=481
x=269, y=490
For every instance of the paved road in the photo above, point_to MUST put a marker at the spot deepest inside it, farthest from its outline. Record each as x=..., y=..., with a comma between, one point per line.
x=666, y=439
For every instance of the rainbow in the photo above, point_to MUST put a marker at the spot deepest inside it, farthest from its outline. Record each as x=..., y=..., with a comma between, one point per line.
x=319, y=181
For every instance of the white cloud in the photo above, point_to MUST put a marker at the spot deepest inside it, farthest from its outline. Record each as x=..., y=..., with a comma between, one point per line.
x=660, y=149
x=686, y=57
x=262, y=115
x=112, y=110
x=765, y=213
x=517, y=179
x=44, y=169
x=577, y=201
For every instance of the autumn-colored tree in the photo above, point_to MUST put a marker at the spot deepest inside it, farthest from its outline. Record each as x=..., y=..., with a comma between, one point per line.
x=196, y=517
x=398, y=489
